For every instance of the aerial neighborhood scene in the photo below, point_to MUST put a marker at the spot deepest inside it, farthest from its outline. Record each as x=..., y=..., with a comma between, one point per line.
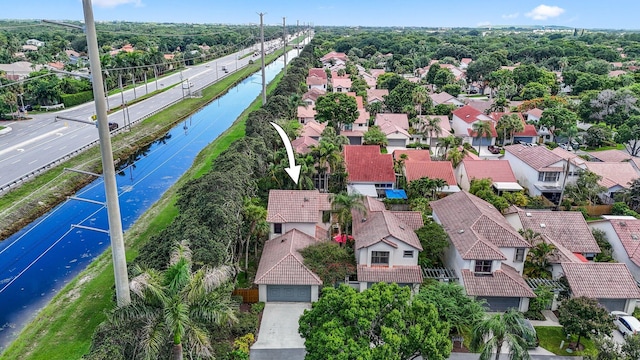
x=269, y=181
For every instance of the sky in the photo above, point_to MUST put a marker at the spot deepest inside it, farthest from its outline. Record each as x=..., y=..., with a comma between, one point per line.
x=589, y=14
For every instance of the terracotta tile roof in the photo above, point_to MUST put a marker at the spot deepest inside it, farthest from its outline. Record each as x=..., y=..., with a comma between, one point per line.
x=301, y=145
x=504, y=282
x=567, y=155
x=363, y=117
x=466, y=60
x=601, y=280
x=568, y=228
x=374, y=204
x=496, y=170
x=365, y=163
x=314, y=80
x=537, y=157
x=411, y=218
x=313, y=94
x=613, y=173
x=377, y=72
x=303, y=206
x=467, y=114
x=412, y=154
x=281, y=262
x=313, y=129
x=334, y=75
x=359, y=101
x=616, y=73
x=306, y=112
x=613, y=155
x=441, y=98
x=340, y=82
x=415, y=170
x=319, y=72
x=379, y=94
x=352, y=133
x=396, y=274
x=400, y=120
x=561, y=254
x=333, y=55
x=382, y=226
x=535, y=112
x=475, y=227
x=628, y=230
x=389, y=128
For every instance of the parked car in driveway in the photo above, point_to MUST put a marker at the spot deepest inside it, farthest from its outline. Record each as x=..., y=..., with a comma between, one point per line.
x=626, y=324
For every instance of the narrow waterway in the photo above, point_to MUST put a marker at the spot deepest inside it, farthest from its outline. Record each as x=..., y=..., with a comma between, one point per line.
x=42, y=258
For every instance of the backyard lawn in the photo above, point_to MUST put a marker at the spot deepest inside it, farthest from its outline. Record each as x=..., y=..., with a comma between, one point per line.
x=552, y=336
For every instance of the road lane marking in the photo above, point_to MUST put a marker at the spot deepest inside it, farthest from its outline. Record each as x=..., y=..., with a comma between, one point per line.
x=32, y=140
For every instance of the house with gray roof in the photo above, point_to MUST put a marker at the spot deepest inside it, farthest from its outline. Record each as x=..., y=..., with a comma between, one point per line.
x=386, y=246
x=623, y=233
x=486, y=252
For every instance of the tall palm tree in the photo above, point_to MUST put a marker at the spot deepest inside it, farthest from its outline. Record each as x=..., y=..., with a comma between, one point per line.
x=482, y=129
x=492, y=333
x=343, y=204
x=177, y=305
x=538, y=259
x=431, y=125
x=509, y=123
x=447, y=143
x=455, y=155
x=419, y=97
x=253, y=214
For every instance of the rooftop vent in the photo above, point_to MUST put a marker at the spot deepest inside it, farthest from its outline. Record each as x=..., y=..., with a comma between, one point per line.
x=622, y=223
x=460, y=231
x=528, y=214
x=634, y=236
x=543, y=225
x=401, y=227
x=306, y=199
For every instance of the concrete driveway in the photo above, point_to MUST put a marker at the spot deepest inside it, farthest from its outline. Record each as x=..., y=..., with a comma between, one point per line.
x=278, y=336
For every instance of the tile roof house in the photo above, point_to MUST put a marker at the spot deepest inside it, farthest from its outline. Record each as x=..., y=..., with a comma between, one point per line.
x=386, y=246
x=396, y=127
x=376, y=95
x=566, y=230
x=462, y=124
x=298, y=209
x=464, y=62
x=341, y=84
x=539, y=170
x=616, y=176
x=319, y=72
x=313, y=129
x=333, y=57
x=311, y=96
x=612, y=155
x=415, y=170
x=316, y=82
x=487, y=253
x=498, y=171
x=359, y=161
x=623, y=233
x=610, y=283
x=412, y=155
x=282, y=275
x=445, y=98
x=306, y=114
x=302, y=144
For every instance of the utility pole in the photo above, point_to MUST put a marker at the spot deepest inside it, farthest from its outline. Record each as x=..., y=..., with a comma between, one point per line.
x=284, y=40
x=264, y=81
x=109, y=173
x=298, y=34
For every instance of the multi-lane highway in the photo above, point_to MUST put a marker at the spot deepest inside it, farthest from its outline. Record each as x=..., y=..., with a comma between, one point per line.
x=35, y=143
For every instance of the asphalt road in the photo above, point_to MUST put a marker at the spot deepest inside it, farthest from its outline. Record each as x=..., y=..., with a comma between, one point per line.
x=34, y=143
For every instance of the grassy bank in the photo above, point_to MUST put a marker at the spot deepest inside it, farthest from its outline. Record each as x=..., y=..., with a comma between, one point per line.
x=34, y=198
x=63, y=329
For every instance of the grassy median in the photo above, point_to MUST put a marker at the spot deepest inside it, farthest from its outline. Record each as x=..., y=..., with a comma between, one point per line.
x=64, y=328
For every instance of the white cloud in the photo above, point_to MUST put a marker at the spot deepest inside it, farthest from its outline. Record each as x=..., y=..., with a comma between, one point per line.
x=114, y=3
x=543, y=12
x=510, y=16
x=484, y=23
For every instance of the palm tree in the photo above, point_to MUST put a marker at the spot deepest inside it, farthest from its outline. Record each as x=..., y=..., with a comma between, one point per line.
x=455, y=155
x=447, y=143
x=295, y=100
x=177, y=305
x=481, y=129
x=419, y=96
x=253, y=214
x=492, y=333
x=500, y=104
x=431, y=125
x=343, y=204
x=537, y=262
x=509, y=123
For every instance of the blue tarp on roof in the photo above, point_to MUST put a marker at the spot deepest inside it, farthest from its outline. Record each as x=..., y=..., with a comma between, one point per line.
x=395, y=194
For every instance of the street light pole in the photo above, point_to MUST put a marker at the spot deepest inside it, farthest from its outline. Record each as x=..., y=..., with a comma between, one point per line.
x=284, y=41
x=109, y=174
x=264, y=81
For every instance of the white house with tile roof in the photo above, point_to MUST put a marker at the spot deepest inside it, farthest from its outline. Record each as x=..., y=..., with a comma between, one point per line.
x=282, y=275
x=487, y=253
x=462, y=124
x=498, y=171
x=386, y=246
x=538, y=169
x=566, y=230
x=303, y=210
x=610, y=283
x=623, y=233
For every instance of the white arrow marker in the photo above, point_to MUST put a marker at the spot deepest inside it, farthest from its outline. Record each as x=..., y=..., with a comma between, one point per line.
x=293, y=170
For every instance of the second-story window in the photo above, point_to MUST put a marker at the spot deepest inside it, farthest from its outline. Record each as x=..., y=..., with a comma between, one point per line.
x=483, y=266
x=277, y=228
x=548, y=176
x=519, y=255
x=408, y=254
x=379, y=258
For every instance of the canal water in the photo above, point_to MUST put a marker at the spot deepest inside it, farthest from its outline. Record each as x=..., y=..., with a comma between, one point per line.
x=42, y=258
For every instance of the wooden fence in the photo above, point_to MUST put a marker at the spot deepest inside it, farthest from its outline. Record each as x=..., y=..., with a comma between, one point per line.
x=595, y=210
x=249, y=296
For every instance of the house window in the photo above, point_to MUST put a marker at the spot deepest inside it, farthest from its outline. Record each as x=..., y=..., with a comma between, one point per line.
x=548, y=176
x=589, y=256
x=379, y=258
x=408, y=254
x=277, y=228
x=483, y=266
x=519, y=255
